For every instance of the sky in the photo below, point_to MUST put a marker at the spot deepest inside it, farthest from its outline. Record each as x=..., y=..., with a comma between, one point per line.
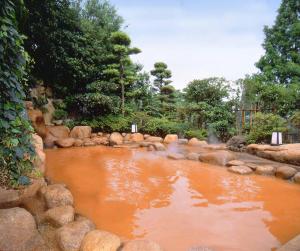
x=198, y=38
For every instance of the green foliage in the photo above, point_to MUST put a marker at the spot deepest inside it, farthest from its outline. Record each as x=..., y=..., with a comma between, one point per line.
x=295, y=119
x=263, y=126
x=16, y=150
x=60, y=114
x=200, y=134
x=281, y=62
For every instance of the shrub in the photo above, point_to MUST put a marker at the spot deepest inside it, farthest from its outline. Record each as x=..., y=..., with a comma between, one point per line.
x=60, y=114
x=263, y=126
x=196, y=133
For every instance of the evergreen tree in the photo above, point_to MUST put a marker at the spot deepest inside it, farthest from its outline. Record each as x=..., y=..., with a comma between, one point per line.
x=281, y=62
x=122, y=71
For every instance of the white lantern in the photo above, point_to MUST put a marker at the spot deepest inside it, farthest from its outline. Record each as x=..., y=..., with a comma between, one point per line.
x=276, y=138
x=134, y=128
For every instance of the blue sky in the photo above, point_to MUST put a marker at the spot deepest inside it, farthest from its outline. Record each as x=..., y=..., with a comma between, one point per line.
x=198, y=39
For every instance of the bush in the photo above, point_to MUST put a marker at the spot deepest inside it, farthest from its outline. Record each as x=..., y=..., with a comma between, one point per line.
x=200, y=134
x=162, y=127
x=60, y=114
x=263, y=126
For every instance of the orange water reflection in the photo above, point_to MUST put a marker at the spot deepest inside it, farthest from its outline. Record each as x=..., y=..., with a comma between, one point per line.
x=179, y=204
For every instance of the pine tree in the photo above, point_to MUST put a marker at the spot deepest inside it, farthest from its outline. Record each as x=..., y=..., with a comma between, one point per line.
x=281, y=62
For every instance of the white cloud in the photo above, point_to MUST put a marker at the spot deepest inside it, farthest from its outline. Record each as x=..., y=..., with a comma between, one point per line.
x=199, y=42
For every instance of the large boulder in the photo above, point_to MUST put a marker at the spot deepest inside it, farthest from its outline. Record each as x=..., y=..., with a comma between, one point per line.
x=285, y=172
x=37, y=121
x=292, y=245
x=175, y=156
x=265, y=170
x=154, y=139
x=59, y=216
x=183, y=141
x=70, y=236
x=159, y=146
x=171, y=138
x=237, y=143
x=81, y=132
x=297, y=178
x=59, y=132
x=65, y=143
x=9, y=198
x=235, y=163
x=196, y=142
x=141, y=245
x=39, y=161
x=115, y=139
x=97, y=240
x=193, y=156
x=100, y=140
x=78, y=142
x=57, y=195
x=221, y=157
x=18, y=231
x=240, y=170
x=49, y=111
x=136, y=137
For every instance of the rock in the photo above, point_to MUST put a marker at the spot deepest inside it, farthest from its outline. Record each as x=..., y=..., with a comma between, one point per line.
x=292, y=245
x=70, y=236
x=154, y=139
x=145, y=144
x=93, y=135
x=123, y=134
x=39, y=161
x=221, y=157
x=81, y=132
x=32, y=189
x=65, y=143
x=235, y=163
x=78, y=142
x=59, y=216
x=237, y=143
x=265, y=170
x=97, y=240
x=297, y=178
x=57, y=122
x=29, y=105
x=59, y=132
x=48, y=112
x=201, y=249
x=88, y=142
x=151, y=148
x=100, y=140
x=38, y=122
x=141, y=245
x=100, y=134
x=9, y=198
x=37, y=142
x=252, y=166
x=193, y=156
x=18, y=231
x=285, y=172
x=183, y=141
x=136, y=137
x=196, y=142
x=49, y=140
x=146, y=136
x=175, y=156
x=57, y=195
x=240, y=169
x=115, y=139
x=159, y=146
x=171, y=138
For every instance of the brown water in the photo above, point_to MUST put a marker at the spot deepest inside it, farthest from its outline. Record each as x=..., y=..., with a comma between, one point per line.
x=179, y=204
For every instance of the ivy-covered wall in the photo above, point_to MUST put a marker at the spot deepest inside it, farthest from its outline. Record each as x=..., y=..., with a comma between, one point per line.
x=16, y=150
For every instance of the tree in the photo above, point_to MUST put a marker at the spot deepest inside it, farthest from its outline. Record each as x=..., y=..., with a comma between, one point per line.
x=281, y=62
x=121, y=70
x=16, y=151
x=210, y=90
x=166, y=92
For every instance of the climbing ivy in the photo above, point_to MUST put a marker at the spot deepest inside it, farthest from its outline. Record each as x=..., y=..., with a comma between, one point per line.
x=16, y=150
